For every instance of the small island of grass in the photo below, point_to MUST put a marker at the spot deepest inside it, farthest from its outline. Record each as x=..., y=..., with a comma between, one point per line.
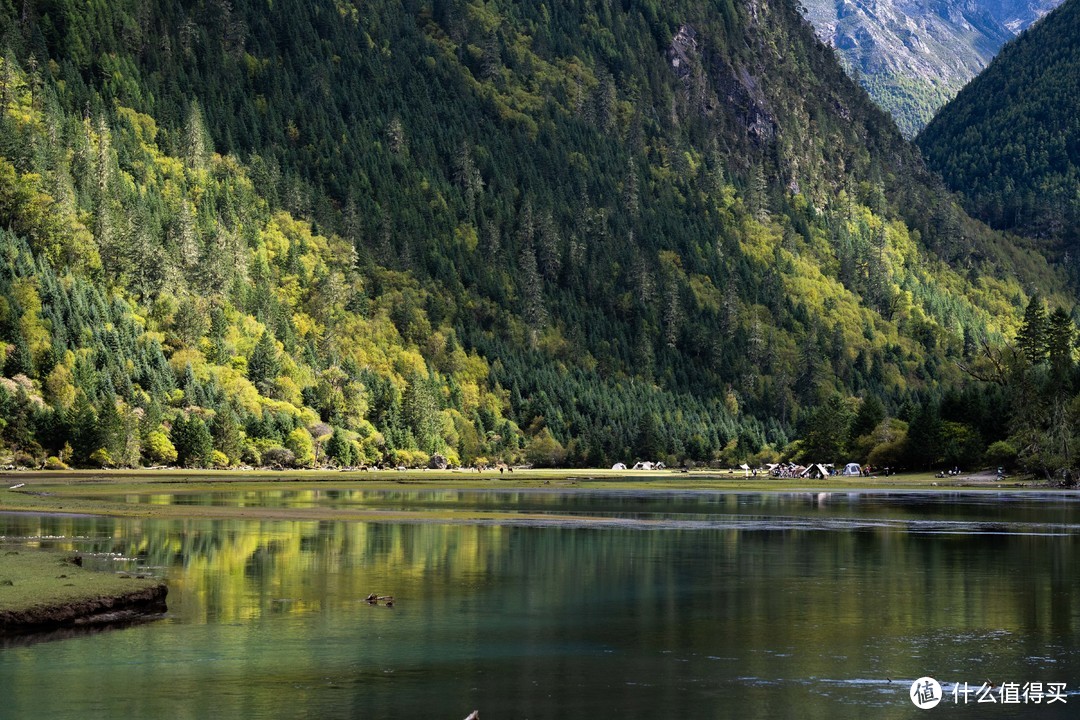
x=41, y=590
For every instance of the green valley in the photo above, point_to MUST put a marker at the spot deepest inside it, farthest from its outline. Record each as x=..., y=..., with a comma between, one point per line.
x=913, y=56
x=1010, y=142
x=306, y=233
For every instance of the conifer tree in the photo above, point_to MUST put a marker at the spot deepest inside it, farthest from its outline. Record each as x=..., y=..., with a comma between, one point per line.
x=263, y=365
x=195, y=140
x=225, y=430
x=340, y=450
x=1060, y=338
x=532, y=290
x=871, y=413
x=190, y=322
x=826, y=431
x=1031, y=338
x=420, y=408
x=924, y=436
x=83, y=429
x=757, y=193
x=192, y=441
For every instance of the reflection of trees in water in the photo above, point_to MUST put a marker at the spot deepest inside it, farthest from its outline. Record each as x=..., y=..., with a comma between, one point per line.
x=856, y=581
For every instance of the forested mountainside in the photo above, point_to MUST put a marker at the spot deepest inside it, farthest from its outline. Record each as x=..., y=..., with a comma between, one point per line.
x=1010, y=142
x=913, y=56
x=316, y=231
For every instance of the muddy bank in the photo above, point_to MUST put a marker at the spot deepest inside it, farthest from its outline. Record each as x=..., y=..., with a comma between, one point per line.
x=44, y=589
x=143, y=602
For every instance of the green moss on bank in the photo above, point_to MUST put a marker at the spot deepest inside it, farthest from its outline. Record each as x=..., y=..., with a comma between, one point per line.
x=31, y=578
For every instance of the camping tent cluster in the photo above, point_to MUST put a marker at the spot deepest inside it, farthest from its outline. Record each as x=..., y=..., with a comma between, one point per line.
x=646, y=465
x=814, y=471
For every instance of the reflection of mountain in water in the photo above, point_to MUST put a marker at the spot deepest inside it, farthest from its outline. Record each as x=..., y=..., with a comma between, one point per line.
x=231, y=570
x=913, y=56
x=813, y=601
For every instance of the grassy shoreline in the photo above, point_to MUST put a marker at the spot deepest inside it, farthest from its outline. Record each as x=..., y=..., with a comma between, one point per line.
x=43, y=590
x=95, y=492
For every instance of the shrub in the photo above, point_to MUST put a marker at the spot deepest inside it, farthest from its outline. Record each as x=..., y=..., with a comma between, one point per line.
x=1002, y=453
x=158, y=449
x=278, y=457
x=302, y=446
x=101, y=458
x=55, y=463
x=410, y=458
x=890, y=454
x=24, y=459
x=545, y=451
x=250, y=454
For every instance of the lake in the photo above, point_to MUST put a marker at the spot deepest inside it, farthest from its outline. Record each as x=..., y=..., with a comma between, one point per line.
x=595, y=604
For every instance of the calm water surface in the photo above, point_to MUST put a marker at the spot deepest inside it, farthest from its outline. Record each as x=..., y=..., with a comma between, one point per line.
x=689, y=605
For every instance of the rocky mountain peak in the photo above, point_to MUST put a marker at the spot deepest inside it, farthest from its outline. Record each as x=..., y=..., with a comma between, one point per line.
x=912, y=56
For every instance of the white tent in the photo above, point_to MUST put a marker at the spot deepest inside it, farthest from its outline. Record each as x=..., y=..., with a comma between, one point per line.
x=815, y=471
x=852, y=470
x=618, y=466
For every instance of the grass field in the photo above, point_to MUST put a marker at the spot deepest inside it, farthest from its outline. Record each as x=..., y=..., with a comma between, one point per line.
x=96, y=492
x=30, y=577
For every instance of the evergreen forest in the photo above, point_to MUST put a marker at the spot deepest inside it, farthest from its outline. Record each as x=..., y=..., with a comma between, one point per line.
x=325, y=232
x=1010, y=141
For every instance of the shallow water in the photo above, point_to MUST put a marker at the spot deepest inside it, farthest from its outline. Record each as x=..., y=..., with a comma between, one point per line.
x=675, y=605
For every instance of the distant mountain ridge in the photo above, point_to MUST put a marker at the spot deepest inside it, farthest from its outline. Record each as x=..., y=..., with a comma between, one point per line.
x=912, y=56
x=1010, y=141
